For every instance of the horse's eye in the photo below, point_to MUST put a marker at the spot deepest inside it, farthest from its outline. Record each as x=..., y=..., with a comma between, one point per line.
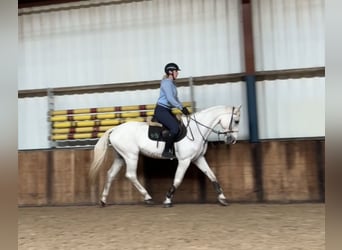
x=236, y=122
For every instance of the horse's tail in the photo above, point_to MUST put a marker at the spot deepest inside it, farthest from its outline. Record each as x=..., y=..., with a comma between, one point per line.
x=100, y=152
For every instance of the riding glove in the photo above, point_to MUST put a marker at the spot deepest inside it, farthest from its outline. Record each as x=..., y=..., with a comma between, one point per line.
x=185, y=111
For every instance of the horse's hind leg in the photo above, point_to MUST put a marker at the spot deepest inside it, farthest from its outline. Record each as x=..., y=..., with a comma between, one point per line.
x=131, y=174
x=112, y=172
x=202, y=164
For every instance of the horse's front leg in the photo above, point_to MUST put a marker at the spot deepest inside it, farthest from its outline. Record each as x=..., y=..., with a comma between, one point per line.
x=202, y=164
x=179, y=175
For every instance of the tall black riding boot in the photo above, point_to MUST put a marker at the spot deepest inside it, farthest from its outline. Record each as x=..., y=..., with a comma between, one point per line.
x=168, y=150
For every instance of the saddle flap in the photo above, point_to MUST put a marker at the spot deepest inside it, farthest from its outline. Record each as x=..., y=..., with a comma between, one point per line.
x=157, y=132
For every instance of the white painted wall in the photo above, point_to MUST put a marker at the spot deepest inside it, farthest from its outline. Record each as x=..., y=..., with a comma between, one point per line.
x=128, y=42
x=291, y=108
x=133, y=41
x=288, y=34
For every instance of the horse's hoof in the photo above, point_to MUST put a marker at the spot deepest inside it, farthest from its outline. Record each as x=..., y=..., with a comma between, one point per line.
x=102, y=204
x=223, y=202
x=166, y=205
x=149, y=202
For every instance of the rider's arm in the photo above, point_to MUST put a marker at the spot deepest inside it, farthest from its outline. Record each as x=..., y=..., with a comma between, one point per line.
x=170, y=91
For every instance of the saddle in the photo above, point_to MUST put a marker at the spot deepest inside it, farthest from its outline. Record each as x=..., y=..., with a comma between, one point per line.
x=157, y=132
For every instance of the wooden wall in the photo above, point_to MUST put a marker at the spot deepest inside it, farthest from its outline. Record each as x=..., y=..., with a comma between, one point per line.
x=270, y=171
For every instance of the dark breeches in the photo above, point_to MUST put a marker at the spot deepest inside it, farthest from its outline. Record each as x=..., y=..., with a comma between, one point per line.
x=165, y=116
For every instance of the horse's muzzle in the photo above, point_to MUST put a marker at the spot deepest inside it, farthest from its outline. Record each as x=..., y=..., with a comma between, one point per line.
x=230, y=139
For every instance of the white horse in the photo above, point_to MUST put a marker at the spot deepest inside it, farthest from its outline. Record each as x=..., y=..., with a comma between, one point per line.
x=131, y=138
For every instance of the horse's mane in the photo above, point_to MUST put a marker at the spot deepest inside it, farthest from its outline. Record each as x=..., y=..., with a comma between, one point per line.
x=212, y=108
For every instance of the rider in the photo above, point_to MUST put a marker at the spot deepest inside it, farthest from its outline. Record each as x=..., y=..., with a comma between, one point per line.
x=167, y=100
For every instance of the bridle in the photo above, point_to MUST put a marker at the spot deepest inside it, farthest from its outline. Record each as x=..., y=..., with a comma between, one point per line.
x=218, y=132
x=230, y=127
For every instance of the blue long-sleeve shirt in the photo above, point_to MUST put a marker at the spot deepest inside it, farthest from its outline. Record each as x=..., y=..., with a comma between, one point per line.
x=168, y=96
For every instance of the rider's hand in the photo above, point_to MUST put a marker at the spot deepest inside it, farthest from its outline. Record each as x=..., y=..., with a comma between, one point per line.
x=185, y=111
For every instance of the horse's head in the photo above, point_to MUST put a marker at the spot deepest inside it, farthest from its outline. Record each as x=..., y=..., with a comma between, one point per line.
x=230, y=124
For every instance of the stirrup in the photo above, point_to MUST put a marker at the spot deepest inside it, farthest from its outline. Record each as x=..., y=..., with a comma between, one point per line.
x=168, y=155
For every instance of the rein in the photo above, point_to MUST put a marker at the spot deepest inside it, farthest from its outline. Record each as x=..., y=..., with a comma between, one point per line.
x=211, y=129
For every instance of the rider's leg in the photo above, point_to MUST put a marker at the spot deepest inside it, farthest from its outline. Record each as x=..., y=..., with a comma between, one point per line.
x=166, y=117
x=168, y=149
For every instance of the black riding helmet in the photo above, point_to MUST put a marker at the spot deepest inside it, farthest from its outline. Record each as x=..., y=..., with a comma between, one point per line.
x=170, y=66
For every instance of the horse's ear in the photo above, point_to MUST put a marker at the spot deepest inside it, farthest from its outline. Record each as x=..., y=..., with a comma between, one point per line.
x=239, y=107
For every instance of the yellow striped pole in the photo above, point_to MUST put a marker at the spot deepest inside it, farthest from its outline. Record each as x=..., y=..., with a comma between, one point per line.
x=96, y=123
x=93, y=122
x=76, y=136
x=108, y=109
x=72, y=130
x=103, y=116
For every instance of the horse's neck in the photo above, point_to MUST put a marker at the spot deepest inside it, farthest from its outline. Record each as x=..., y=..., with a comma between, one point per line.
x=209, y=118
